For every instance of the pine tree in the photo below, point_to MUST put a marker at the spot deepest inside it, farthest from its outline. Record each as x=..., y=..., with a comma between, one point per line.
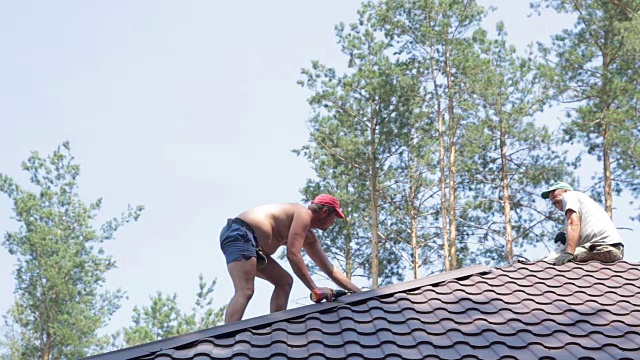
x=163, y=317
x=61, y=268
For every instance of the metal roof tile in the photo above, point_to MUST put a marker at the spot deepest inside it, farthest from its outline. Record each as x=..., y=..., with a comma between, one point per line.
x=524, y=310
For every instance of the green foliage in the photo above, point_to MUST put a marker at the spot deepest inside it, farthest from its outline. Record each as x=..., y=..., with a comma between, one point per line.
x=160, y=320
x=60, y=268
x=163, y=317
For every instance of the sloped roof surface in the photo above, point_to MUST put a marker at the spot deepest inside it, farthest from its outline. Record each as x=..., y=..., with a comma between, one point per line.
x=522, y=311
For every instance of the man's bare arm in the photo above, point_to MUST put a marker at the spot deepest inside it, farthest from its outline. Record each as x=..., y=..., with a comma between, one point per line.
x=573, y=230
x=295, y=242
x=314, y=250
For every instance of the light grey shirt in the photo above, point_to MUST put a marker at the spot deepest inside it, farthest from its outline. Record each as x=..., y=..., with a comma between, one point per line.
x=596, y=226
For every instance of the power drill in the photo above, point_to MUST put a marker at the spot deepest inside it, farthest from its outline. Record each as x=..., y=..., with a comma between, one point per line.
x=318, y=295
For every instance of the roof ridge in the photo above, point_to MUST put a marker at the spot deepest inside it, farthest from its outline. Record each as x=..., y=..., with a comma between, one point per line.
x=579, y=264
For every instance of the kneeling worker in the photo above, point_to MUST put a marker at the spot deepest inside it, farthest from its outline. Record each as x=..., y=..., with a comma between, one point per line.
x=249, y=240
x=591, y=235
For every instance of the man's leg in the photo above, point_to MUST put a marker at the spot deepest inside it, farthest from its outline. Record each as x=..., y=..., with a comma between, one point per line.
x=243, y=275
x=281, y=280
x=603, y=253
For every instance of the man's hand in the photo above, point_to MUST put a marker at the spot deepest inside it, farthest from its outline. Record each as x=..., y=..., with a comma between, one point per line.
x=322, y=293
x=564, y=258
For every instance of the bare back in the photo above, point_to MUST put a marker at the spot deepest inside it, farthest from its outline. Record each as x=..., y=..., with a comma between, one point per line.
x=272, y=223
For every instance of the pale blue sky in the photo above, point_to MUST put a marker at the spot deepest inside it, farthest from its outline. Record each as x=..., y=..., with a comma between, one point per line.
x=190, y=108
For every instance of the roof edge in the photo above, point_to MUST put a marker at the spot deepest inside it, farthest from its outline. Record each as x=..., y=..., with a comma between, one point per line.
x=260, y=321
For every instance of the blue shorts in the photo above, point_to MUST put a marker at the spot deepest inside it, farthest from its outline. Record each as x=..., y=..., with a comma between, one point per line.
x=238, y=241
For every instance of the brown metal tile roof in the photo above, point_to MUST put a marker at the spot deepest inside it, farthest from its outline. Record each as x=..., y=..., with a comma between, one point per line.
x=522, y=311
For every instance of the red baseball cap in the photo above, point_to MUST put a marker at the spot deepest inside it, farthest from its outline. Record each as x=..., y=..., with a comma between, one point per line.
x=328, y=200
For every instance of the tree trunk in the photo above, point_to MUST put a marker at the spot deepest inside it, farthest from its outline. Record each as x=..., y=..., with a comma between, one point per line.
x=608, y=182
x=414, y=186
x=606, y=141
x=443, y=193
x=453, y=253
x=414, y=244
x=46, y=354
x=506, y=205
x=348, y=266
x=374, y=208
x=441, y=167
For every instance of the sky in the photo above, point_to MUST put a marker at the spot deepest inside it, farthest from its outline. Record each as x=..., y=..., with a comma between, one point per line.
x=190, y=108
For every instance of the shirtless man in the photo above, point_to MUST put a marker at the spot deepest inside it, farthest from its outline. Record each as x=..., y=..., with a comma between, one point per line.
x=249, y=240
